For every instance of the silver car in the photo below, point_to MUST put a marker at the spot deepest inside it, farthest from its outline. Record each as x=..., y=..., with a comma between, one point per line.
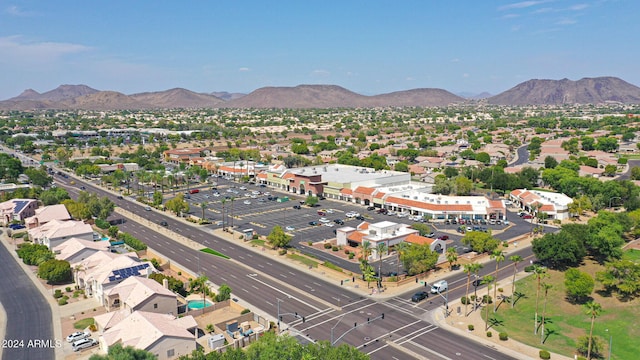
x=78, y=335
x=84, y=344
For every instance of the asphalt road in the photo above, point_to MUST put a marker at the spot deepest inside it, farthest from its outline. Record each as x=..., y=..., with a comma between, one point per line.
x=523, y=156
x=29, y=332
x=265, y=283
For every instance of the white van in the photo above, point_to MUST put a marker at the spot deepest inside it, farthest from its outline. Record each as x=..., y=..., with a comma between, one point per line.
x=84, y=344
x=439, y=287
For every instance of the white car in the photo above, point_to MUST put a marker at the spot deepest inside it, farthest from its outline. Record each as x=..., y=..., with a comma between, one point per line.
x=324, y=220
x=247, y=202
x=329, y=224
x=78, y=335
x=255, y=192
x=289, y=228
x=329, y=211
x=243, y=188
x=401, y=215
x=351, y=214
x=84, y=344
x=216, y=194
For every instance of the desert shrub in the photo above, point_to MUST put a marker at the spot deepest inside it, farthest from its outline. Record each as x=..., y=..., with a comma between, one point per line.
x=464, y=300
x=528, y=268
x=62, y=301
x=500, y=290
x=93, y=327
x=489, y=334
x=310, y=243
x=503, y=336
x=545, y=355
x=470, y=327
x=334, y=248
x=487, y=299
x=346, y=251
x=67, y=289
x=245, y=311
x=282, y=251
x=351, y=255
x=327, y=246
x=57, y=294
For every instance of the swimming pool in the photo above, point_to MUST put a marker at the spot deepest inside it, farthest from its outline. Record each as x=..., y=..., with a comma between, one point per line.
x=198, y=304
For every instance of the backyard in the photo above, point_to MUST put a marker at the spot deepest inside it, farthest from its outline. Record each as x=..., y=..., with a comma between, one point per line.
x=566, y=322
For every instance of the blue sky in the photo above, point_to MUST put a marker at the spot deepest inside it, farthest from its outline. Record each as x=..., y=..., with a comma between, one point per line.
x=370, y=47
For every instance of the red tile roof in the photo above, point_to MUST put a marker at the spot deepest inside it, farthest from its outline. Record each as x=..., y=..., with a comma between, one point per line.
x=346, y=191
x=364, y=190
x=356, y=236
x=419, y=240
x=429, y=206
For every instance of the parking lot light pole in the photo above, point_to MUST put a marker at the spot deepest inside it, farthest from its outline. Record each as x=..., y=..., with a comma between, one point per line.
x=445, y=297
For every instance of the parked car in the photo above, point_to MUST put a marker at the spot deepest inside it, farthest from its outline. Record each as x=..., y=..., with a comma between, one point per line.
x=444, y=237
x=324, y=220
x=338, y=221
x=297, y=207
x=247, y=202
x=313, y=223
x=527, y=216
x=289, y=228
x=321, y=213
x=383, y=211
x=164, y=223
x=419, y=296
x=370, y=208
x=84, y=344
x=391, y=212
x=360, y=217
x=16, y=226
x=430, y=235
x=78, y=335
x=147, y=208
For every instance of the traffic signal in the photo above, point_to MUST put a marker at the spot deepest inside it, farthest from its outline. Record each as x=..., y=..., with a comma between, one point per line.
x=341, y=282
x=382, y=316
x=280, y=317
x=296, y=314
x=303, y=320
x=355, y=324
x=368, y=320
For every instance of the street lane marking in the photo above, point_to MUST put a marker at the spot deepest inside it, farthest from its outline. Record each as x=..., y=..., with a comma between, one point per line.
x=387, y=334
x=283, y=292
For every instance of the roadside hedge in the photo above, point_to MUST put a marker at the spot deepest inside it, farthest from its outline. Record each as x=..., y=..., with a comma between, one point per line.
x=133, y=242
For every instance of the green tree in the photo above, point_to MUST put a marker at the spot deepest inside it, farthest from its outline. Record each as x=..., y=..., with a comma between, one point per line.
x=401, y=249
x=157, y=198
x=401, y=166
x=480, y=241
x=177, y=205
x=463, y=186
x=579, y=285
x=487, y=280
x=311, y=200
x=550, y=162
x=55, y=271
x=545, y=288
x=539, y=272
x=203, y=206
x=498, y=256
x=621, y=276
x=38, y=177
x=423, y=229
x=117, y=352
x=34, y=254
x=419, y=259
x=593, y=309
x=469, y=269
x=224, y=293
x=381, y=249
x=559, y=250
x=515, y=259
x=278, y=238
x=483, y=157
x=452, y=257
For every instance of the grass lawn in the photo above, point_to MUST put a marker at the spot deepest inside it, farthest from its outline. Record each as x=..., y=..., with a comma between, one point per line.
x=213, y=252
x=257, y=242
x=632, y=254
x=303, y=259
x=83, y=324
x=566, y=322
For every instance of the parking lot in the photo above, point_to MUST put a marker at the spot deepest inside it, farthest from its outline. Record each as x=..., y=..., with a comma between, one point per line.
x=248, y=206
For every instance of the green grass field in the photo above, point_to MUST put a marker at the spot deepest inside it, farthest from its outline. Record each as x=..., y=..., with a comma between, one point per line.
x=566, y=322
x=303, y=259
x=83, y=324
x=632, y=254
x=213, y=252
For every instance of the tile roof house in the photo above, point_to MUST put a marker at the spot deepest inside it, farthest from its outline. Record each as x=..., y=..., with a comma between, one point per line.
x=137, y=293
x=386, y=232
x=556, y=205
x=75, y=249
x=17, y=210
x=48, y=213
x=56, y=232
x=163, y=335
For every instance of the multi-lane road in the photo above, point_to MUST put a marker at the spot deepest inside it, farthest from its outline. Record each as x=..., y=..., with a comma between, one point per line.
x=330, y=311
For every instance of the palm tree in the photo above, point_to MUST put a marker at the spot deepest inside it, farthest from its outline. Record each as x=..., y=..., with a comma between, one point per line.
x=366, y=251
x=452, y=257
x=223, y=201
x=203, y=205
x=534, y=209
x=381, y=248
x=199, y=284
x=539, y=271
x=468, y=269
x=487, y=280
x=498, y=256
x=545, y=287
x=232, y=200
x=515, y=259
x=401, y=249
x=476, y=270
x=593, y=309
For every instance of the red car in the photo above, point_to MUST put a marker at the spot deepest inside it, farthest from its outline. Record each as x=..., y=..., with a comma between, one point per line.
x=194, y=191
x=527, y=216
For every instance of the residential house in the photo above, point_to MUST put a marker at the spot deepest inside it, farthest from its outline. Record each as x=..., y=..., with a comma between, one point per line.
x=48, y=213
x=137, y=293
x=17, y=210
x=76, y=250
x=56, y=232
x=163, y=335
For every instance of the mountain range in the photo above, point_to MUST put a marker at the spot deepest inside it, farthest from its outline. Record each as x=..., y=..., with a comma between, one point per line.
x=532, y=92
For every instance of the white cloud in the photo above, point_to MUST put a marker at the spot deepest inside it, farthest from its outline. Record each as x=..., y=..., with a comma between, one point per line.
x=409, y=78
x=578, y=7
x=510, y=16
x=320, y=73
x=244, y=69
x=566, y=21
x=14, y=10
x=17, y=49
x=522, y=5
x=466, y=75
x=455, y=60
